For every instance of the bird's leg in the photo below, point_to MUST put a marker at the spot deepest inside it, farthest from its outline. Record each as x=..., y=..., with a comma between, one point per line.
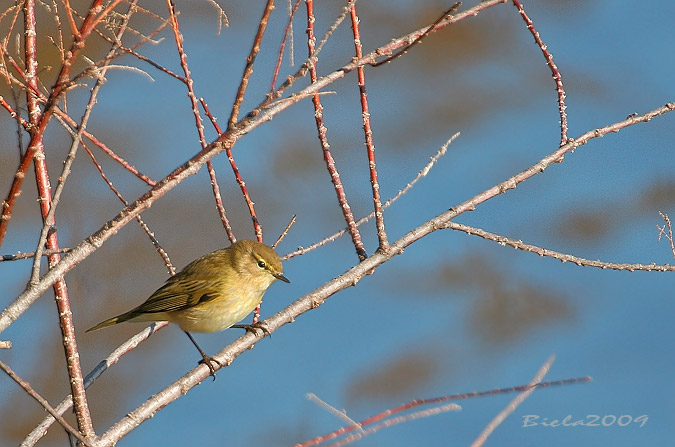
x=252, y=327
x=206, y=359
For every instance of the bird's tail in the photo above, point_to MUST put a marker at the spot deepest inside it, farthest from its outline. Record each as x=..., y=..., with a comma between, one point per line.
x=112, y=321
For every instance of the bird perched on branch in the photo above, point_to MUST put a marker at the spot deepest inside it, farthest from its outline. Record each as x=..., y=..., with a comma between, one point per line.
x=211, y=293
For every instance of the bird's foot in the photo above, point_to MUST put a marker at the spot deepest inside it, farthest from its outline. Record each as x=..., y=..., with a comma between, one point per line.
x=254, y=327
x=209, y=361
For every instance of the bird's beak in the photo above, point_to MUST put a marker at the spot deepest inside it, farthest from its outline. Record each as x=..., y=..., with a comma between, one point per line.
x=281, y=277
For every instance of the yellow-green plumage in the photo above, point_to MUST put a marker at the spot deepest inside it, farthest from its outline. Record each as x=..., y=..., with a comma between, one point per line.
x=213, y=292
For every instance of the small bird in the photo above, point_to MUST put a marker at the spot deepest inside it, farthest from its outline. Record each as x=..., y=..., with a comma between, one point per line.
x=211, y=293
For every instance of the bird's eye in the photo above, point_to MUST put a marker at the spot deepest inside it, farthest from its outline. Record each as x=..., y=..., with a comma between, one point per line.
x=262, y=264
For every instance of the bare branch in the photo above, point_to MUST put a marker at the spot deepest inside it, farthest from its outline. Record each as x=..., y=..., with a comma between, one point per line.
x=554, y=71
x=563, y=257
x=367, y=128
x=248, y=70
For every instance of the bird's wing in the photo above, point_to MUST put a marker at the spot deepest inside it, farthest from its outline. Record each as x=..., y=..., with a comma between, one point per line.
x=179, y=295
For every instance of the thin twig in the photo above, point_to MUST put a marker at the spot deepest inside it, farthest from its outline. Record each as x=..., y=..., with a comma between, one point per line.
x=669, y=235
x=285, y=232
x=31, y=254
x=288, y=35
x=158, y=247
x=248, y=70
x=216, y=189
x=368, y=130
x=563, y=257
x=342, y=414
x=395, y=421
x=222, y=17
x=554, y=71
x=419, y=38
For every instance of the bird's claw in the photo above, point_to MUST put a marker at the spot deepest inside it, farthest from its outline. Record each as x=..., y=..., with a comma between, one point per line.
x=253, y=327
x=209, y=361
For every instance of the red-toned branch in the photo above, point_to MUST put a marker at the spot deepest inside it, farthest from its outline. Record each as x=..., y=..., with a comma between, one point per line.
x=248, y=70
x=214, y=183
x=234, y=116
x=325, y=146
x=370, y=145
x=240, y=181
x=288, y=34
x=249, y=203
x=178, y=36
x=554, y=71
x=83, y=416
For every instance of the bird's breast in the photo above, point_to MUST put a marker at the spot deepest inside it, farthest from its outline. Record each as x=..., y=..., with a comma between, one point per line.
x=220, y=313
